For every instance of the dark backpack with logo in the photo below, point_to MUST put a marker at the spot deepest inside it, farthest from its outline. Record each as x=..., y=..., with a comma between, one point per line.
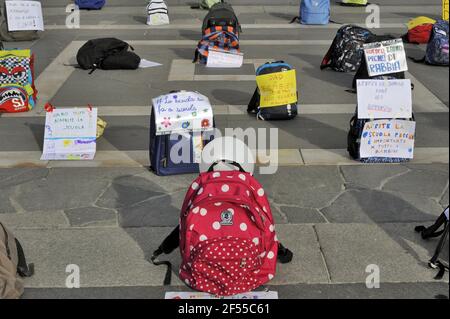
x=363, y=73
x=90, y=4
x=354, y=142
x=346, y=51
x=107, y=54
x=282, y=112
x=221, y=15
x=6, y=35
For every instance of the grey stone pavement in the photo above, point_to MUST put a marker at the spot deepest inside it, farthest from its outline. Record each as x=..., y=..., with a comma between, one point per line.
x=108, y=216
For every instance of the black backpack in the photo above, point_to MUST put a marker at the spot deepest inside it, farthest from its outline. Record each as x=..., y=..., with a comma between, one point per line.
x=221, y=15
x=107, y=54
x=363, y=73
x=346, y=51
x=282, y=112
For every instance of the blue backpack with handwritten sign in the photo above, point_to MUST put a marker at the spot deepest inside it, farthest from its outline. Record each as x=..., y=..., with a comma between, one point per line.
x=178, y=135
x=90, y=4
x=354, y=142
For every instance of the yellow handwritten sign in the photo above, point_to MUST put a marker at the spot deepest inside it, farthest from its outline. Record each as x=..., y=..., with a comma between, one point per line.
x=277, y=88
x=445, y=9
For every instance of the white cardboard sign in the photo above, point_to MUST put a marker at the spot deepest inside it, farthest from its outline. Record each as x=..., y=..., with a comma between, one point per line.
x=388, y=138
x=70, y=134
x=385, y=57
x=201, y=295
x=24, y=16
x=384, y=99
x=223, y=59
x=183, y=111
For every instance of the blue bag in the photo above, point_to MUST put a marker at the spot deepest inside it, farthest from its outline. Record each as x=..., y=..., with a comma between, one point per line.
x=90, y=4
x=315, y=12
x=438, y=48
x=177, y=141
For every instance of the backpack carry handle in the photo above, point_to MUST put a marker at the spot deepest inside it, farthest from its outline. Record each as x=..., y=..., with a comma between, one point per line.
x=235, y=164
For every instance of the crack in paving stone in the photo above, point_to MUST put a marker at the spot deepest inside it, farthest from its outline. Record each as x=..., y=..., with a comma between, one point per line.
x=441, y=198
x=278, y=209
x=342, y=176
x=390, y=178
x=322, y=255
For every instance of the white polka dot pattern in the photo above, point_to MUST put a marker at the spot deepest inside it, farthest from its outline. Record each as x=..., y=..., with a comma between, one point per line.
x=221, y=255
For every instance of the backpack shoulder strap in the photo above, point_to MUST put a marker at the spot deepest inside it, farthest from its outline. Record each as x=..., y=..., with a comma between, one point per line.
x=23, y=268
x=284, y=255
x=169, y=244
x=254, y=102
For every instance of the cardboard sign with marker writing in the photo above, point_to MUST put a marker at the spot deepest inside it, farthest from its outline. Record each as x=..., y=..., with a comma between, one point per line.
x=24, y=16
x=70, y=134
x=384, y=99
x=277, y=88
x=385, y=57
x=388, y=138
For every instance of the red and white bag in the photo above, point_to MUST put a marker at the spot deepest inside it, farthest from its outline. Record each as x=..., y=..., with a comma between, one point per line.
x=226, y=235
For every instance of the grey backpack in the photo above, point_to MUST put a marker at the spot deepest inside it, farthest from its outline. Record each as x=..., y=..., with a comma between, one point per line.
x=6, y=35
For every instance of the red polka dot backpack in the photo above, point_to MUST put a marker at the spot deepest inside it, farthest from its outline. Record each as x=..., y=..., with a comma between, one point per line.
x=226, y=235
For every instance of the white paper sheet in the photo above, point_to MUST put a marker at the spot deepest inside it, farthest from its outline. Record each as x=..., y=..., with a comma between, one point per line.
x=385, y=57
x=24, y=16
x=384, y=99
x=388, y=138
x=148, y=64
x=70, y=134
x=200, y=295
x=223, y=59
x=183, y=111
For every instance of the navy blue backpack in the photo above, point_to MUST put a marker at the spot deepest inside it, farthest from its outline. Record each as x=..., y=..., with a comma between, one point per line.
x=90, y=4
x=162, y=146
x=438, y=49
x=314, y=12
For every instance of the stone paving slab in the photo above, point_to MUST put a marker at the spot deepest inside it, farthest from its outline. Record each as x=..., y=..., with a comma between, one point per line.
x=35, y=220
x=433, y=290
x=306, y=267
x=350, y=248
x=107, y=257
x=373, y=206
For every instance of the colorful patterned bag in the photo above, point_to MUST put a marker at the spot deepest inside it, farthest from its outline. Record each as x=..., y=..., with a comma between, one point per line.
x=17, y=90
x=219, y=38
